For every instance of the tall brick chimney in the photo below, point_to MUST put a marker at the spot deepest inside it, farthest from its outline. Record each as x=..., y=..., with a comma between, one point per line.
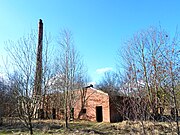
x=38, y=73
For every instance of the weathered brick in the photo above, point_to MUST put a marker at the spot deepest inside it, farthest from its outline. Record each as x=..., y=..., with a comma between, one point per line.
x=93, y=98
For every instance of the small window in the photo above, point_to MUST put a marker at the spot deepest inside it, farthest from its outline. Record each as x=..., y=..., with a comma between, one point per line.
x=62, y=111
x=84, y=110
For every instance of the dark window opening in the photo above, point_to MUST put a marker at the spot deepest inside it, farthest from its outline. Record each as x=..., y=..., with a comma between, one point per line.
x=83, y=110
x=54, y=113
x=41, y=114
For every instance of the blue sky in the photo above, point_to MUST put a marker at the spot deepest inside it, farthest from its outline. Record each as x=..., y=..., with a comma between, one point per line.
x=99, y=27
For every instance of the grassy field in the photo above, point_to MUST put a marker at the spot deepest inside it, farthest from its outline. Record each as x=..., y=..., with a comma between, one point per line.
x=55, y=127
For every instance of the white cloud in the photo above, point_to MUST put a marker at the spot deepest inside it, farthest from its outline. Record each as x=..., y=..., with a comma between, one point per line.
x=103, y=70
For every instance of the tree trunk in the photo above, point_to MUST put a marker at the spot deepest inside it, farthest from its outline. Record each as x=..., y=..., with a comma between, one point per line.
x=31, y=128
x=31, y=131
x=176, y=112
x=66, y=109
x=30, y=125
x=1, y=121
x=66, y=123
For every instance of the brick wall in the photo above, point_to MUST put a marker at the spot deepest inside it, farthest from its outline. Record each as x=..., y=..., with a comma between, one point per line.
x=93, y=98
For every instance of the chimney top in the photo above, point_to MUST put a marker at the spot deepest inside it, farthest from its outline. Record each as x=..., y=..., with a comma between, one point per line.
x=40, y=20
x=90, y=86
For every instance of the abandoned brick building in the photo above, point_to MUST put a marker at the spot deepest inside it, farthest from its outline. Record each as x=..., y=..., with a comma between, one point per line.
x=89, y=104
x=93, y=105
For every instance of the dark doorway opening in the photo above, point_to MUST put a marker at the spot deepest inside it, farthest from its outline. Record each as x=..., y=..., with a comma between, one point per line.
x=54, y=113
x=99, y=115
x=41, y=114
x=72, y=114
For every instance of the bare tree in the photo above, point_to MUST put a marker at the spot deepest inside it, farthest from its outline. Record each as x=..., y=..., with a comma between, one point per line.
x=110, y=83
x=147, y=57
x=23, y=60
x=70, y=69
x=172, y=60
x=8, y=102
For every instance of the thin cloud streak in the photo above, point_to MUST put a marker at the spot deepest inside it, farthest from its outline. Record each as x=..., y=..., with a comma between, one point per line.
x=103, y=70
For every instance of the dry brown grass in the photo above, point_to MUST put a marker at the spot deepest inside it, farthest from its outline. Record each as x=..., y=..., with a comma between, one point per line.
x=151, y=128
x=55, y=127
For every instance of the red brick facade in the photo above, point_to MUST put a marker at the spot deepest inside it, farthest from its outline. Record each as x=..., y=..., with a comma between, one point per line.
x=93, y=105
x=87, y=104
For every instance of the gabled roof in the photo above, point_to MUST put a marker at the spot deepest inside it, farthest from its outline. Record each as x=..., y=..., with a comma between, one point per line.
x=99, y=91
